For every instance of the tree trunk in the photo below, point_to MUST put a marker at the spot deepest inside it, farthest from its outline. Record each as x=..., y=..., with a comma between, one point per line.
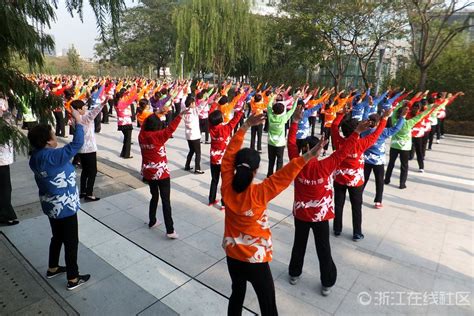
x=423, y=77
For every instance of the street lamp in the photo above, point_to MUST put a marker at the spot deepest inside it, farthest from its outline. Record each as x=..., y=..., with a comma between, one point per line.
x=379, y=67
x=182, y=65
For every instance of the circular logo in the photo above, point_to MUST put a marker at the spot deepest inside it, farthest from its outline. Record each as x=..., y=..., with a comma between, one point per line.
x=364, y=298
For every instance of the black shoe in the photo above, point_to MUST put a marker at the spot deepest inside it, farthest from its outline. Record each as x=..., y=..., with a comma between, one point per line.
x=10, y=222
x=91, y=198
x=81, y=279
x=82, y=195
x=358, y=237
x=386, y=181
x=337, y=234
x=129, y=157
x=59, y=271
x=198, y=172
x=187, y=169
x=402, y=186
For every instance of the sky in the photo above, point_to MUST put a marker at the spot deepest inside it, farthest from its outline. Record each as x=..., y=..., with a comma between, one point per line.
x=69, y=30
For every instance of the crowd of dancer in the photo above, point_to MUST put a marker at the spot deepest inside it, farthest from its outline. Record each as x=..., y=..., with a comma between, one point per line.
x=356, y=123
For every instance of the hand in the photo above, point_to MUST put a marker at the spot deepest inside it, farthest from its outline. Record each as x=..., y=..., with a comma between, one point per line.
x=298, y=114
x=76, y=116
x=388, y=112
x=363, y=126
x=255, y=120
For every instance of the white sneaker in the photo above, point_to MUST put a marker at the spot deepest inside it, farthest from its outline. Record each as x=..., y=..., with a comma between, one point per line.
x=437, y=141
x=421, y=171
x=174, y=235
x=325, y=291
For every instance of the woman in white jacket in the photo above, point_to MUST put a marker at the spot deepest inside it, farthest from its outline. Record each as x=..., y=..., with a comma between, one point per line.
x=7, y=214
x=193, y=135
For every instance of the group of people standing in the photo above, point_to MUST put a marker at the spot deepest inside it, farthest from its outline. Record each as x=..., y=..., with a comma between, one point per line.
x=357, y=124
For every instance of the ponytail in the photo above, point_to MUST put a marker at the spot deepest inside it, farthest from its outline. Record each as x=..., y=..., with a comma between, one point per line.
x=246, y=162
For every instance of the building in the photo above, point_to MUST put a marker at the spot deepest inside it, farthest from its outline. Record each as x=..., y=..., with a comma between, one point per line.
x=264, y=7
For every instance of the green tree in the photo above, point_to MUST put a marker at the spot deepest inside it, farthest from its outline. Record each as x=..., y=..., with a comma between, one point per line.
x=431, y=29
x=21, y=23
x=215, y=35
x=74, y=59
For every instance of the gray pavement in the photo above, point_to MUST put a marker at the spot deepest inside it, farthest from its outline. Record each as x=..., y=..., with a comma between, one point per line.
x=417, y=256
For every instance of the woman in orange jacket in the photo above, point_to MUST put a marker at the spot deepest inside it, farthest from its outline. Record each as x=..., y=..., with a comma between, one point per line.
x=247, y=236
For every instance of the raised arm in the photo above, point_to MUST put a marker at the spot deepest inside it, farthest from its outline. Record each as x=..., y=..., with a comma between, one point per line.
x=369, y=140
x=335, y=136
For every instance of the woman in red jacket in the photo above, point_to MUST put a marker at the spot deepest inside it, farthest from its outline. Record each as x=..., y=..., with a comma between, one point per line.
x=152, y=139
x=314, y=206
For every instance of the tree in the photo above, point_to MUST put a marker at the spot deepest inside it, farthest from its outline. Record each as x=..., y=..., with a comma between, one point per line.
x=216, y=35
x=147, y=36
x=74, y=59
x=431, y=29
x=20, y=25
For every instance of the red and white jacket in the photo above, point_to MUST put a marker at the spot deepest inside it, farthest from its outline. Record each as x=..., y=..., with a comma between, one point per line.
x=220, y=137
x=351, y=171
x=124, y=112
x=314, y=184
x=152, y=145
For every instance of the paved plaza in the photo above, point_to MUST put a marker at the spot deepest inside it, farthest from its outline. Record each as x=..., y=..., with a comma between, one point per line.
x=416, y=258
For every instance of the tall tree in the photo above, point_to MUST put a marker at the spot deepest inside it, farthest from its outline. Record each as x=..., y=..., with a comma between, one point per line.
x=73, y=58
x=216, y=34
x=432, y=28
x=20, y=25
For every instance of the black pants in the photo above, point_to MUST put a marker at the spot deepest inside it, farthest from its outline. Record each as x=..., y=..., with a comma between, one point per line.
x=404, y=155
x=239, y=124
x=97, y=123
x=204, y=128
x=431, y=135
x=312, y=123
x=438, y=129
x=256, y=132
x=327, y=268
x=111, y=106
x=65, y=231
x=127, y=142
x=417, y=148
x=215, y=175
x=441, y=126
x=260, y=276
x=355, y=196
x=60, y=124
x=378, y=173
x=275, y=153
x=105, y=113
x=163, y=188
x=134, y=113
x=194, y=148
x=6, y=209
x=327, y=135
x=89, y=172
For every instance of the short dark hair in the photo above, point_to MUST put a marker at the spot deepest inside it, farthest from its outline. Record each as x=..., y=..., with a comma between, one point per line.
x=215, y=118
x=257, y=97
x=223, y=100
x=153, y=123
x=77, y=104
x=349, y=126
x=278, y=108
x=189, y=100
x=39, y=136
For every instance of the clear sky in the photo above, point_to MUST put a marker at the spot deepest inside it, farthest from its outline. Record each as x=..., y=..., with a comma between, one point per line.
x=69, y=30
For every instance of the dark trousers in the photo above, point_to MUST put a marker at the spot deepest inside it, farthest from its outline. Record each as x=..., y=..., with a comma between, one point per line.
x=355, y=196
x=89, y=172
x=105, y=113
x=378, y=173
x=438, y=129
x=424, y=143
x=260, y=276
x=65, y=231
x=97, y=123
x=404, y=155
x=275, y=154
x=111, y=106
x=239, y=124
x=60, y=124
x=204, y=128
x=441, y=126
x=431, y=135
x=127, y=143
x=256, y=132
x=327, y=268
x=194, y=148
x=215, y=175
x=6, y=209
x=163, y=188
x=312, y=123
x=327, y=135
x=417, y=147
x=134, y=113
